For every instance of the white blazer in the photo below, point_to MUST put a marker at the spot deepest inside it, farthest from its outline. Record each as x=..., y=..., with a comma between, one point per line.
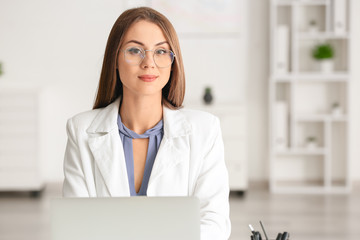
x=190, y=162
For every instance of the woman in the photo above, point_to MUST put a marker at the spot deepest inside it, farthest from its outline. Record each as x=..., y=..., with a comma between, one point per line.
x=138, y=140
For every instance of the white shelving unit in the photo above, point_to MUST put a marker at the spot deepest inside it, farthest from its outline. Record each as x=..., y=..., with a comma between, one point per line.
x=309, y=140
x=20, y=139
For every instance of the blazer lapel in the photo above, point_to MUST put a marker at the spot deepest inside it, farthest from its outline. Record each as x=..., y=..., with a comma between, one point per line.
x=175, y=145
x=107, y=149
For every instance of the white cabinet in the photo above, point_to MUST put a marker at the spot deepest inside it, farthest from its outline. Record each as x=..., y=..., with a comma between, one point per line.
x=19, y=138
x=308, y=98
x=233, y=126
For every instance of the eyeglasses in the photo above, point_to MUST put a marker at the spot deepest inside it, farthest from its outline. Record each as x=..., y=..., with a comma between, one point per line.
x=162, y=57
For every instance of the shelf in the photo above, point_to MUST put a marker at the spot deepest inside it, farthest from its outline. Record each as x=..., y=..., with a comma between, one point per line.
x=322, y=35
x=285, y=2
x=301, y=151
x=311, y=2
x=312, y=76
x=321, y=118
x=301, y=2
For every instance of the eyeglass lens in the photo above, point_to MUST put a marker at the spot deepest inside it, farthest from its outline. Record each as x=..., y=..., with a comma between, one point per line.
x=162, y=57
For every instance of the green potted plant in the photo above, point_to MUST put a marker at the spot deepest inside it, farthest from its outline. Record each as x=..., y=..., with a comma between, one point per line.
x=324, y=53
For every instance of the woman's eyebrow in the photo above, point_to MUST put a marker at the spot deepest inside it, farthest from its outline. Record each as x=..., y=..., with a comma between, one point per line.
x=134, y=41
x=160, y=43
x=142, y=44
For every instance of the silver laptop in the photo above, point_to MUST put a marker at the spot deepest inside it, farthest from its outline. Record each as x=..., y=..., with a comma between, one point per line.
x=128, y=218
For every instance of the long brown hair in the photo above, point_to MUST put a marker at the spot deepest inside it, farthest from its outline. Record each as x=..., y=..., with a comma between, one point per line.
x=110, y=86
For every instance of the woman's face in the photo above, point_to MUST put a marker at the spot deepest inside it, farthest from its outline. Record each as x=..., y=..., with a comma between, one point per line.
x=145, y=78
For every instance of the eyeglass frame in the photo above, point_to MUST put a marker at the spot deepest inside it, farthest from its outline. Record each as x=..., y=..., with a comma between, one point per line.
x=143, y=57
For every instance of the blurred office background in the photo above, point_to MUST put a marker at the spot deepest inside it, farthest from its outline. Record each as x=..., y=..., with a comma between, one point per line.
x=51, y=56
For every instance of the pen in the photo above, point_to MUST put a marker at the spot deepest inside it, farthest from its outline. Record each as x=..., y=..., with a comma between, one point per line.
x=251, y=228
x=262, y=226
x=279, y=236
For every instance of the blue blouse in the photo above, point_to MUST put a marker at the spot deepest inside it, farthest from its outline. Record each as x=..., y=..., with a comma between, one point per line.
x=155, y=136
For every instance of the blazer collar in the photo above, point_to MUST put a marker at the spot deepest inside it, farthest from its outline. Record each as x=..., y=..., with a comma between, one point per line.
x=175, y=123
x=106, y=120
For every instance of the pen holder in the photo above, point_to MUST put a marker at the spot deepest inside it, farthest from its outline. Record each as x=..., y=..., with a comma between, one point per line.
x=279, y=237
x=253, y=238
x=256, y=235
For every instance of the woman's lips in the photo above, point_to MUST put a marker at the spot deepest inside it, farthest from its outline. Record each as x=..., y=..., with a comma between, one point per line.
x=148, y=78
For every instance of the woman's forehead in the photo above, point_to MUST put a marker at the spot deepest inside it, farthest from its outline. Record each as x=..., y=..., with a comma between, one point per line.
x=145, y=32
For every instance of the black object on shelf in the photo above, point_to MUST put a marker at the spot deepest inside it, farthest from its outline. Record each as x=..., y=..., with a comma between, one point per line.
x=208, y=98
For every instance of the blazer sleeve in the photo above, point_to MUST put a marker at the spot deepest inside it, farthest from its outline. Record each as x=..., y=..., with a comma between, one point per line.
x=74, y=182
x=212, y=188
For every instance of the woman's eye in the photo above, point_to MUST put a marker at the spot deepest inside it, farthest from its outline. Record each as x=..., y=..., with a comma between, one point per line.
x=134, y=51
x=161, y=51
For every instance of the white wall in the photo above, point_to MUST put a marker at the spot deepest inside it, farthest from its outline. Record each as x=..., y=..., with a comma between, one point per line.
x=59, y=45
x=257, y=92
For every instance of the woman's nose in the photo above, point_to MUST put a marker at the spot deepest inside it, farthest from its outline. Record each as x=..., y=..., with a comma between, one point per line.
x=148, y=61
